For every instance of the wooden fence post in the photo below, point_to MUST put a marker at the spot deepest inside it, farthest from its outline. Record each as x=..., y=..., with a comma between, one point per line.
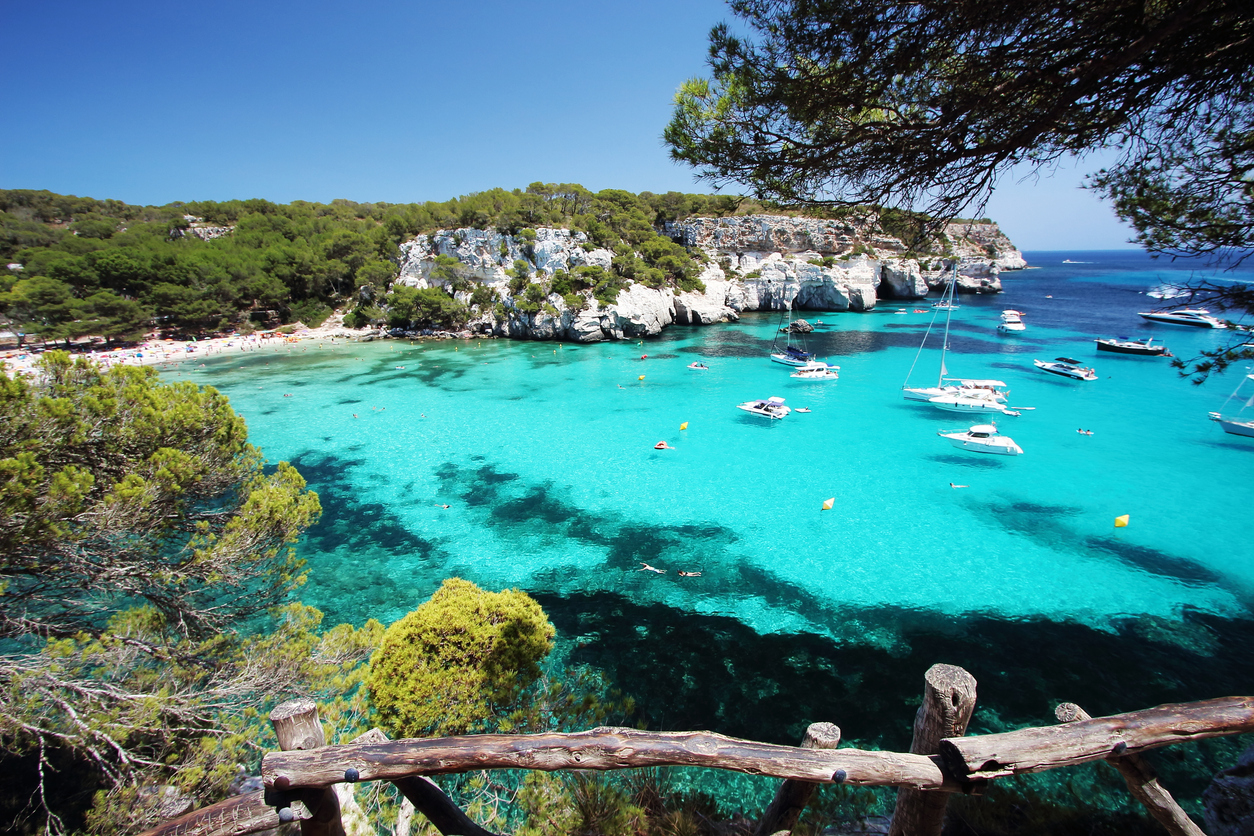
x=297, y=726
x=948, y=700
x=792, y=796
x=1142, y=782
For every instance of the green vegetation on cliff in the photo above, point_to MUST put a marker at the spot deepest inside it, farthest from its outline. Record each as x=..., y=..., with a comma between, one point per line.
x=106, y=268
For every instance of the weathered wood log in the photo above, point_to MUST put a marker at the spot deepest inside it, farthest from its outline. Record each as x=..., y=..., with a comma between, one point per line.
x=792, y=796
x=601, y=749
x=297, y=727
x=1038, y=749
x=948, y=700
x=233, y=817
x=1142, y=782
x=429, y=799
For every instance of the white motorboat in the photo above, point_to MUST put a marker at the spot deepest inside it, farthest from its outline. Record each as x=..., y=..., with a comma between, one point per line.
x=982, y=438
x=1066, y=367
x=1197, y=317
x=770, y=407
x=1011, y=323
x=816, y=370
x=1240, y=423
x=789, y=354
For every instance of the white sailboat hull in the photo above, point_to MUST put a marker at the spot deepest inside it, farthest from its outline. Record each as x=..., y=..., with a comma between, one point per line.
x=1232, y=427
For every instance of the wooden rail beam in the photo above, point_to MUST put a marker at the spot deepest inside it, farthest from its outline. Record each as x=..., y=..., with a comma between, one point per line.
x=600, y=749
x=1142, y=782
x=1084, y=741
x=233, y=817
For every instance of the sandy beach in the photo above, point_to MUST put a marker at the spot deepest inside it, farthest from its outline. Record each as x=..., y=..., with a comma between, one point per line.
x=155, y=351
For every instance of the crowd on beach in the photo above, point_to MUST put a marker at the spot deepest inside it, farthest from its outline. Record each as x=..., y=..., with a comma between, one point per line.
x=164, y=352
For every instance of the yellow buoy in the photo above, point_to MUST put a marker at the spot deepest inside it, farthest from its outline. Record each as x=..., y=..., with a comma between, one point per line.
x=640, y=378
x=684, y=425
x=1121, y=522
x=827, y=504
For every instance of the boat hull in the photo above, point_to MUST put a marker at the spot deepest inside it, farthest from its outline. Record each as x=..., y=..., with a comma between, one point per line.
x=1192, y=323
x=1242, y=428
x=1139, y=350
x=789, y=361
x=1069, y=372
x=996, y=446
x=975, y=406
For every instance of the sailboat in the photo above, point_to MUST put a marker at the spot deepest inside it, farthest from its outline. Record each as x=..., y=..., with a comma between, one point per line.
x=954, y=394
x=1233, y=424
x=789, y=354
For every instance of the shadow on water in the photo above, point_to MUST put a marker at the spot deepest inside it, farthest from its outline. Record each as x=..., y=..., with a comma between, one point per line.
x=987, y=462
x=1046, y=524
x=356, y=543
x=723, y=676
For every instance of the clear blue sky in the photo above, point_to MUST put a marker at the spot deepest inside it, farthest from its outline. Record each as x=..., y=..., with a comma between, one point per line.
x=151, y=102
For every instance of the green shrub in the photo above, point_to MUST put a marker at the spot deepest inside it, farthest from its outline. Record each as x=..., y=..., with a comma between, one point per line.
x=462, y=658
x=311, y=312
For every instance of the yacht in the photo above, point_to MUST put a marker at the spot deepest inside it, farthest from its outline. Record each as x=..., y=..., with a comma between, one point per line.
x=1066, y=367
x=1239, y=423
x=1124, y=345
x=982, y=438
x=770, y=407
x=1011, y=322
x=1197, y=317
x=816, y=370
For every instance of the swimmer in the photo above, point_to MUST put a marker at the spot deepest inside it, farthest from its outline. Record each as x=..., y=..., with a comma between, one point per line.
x=288, y=395
x=952, y=485
x=441, y=506
x=684, y=574
x=644, y=567
x=354, y=414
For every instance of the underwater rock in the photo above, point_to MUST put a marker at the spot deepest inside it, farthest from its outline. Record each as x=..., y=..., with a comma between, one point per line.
x=1229, y=800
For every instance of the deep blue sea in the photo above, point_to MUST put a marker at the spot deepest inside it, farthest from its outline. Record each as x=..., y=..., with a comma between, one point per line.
x=545, y=455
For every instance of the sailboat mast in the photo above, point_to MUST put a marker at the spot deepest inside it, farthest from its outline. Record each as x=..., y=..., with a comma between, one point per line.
x=949, y=311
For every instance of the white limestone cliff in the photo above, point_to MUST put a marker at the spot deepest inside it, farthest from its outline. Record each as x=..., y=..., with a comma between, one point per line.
x=753, y=263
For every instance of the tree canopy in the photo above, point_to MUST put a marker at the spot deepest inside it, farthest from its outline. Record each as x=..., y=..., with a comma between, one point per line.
x=117, y=491
x=145, y=556
x=924, y=105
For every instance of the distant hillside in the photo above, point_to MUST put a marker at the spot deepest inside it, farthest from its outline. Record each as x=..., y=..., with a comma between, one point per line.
x=85, y=267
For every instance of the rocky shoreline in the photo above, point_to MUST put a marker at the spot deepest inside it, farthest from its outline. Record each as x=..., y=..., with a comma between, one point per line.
x=751, y=263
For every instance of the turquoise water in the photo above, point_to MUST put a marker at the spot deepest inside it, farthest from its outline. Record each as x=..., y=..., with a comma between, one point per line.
x=545, y=455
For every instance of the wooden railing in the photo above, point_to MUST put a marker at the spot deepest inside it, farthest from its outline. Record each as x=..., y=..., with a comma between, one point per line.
x=941, y=761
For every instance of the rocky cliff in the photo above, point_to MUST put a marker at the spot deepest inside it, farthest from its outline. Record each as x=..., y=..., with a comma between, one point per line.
x=755, y=263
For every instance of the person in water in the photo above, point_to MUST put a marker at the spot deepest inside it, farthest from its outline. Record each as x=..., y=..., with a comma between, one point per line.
x=684, y=574
x=644, y=567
